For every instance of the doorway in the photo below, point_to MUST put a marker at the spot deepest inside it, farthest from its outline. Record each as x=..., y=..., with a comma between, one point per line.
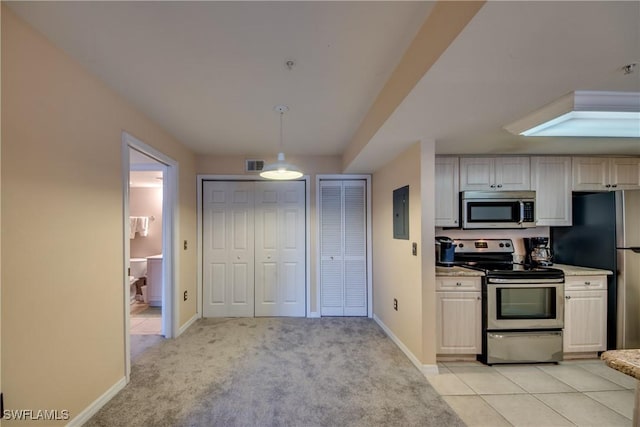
x=149, y=243
x=254, y=256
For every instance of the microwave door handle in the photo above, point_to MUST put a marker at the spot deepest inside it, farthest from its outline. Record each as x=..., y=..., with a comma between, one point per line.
x=521, y=212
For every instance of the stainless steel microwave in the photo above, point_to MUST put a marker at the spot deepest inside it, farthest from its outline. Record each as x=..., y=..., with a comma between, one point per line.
x=498, y=209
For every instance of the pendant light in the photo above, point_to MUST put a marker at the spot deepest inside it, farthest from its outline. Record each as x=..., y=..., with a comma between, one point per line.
x=281, y=170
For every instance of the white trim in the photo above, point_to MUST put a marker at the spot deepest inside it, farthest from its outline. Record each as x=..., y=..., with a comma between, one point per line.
x=212, y=177
x=426, y=370
x=97, y=404
x=170, y=244
x=346, y=177
x=186, y=325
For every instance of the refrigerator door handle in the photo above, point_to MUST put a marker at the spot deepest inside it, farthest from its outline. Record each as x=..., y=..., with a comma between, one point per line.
x=635, y=249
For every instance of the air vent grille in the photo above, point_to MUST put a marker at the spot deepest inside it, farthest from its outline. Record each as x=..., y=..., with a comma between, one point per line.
x=253, y=165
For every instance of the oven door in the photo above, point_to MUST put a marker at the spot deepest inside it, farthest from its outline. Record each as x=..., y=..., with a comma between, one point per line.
x=525, y=304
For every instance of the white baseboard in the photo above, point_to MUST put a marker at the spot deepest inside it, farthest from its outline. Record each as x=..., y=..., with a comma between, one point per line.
x=426, y=370
x=91, y=410
x=314, y=315
x=186, y=325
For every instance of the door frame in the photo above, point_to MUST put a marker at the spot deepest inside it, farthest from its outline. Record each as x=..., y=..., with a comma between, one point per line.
x=346, y=177
x=169, y=239
x=307, y=190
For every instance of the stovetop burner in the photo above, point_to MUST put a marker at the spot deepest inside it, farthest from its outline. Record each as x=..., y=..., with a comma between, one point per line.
x=494, y=257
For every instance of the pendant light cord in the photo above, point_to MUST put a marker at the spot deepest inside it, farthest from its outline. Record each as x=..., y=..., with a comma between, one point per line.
x=281, y=143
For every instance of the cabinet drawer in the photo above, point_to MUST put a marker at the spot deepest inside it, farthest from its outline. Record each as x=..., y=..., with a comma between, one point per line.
x=585, y=283
x=458, y=284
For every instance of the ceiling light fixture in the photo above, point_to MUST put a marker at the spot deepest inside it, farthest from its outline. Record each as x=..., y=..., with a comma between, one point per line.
x=584, y=114
x=281, y=170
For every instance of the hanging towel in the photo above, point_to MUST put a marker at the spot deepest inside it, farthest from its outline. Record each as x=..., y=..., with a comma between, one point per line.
x=142, y=226
x=133, y=225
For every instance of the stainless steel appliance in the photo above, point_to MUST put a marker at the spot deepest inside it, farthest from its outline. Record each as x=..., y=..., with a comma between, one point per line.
x=606, y=235
x=523, y=304
x=498, y=209
x=538, y=251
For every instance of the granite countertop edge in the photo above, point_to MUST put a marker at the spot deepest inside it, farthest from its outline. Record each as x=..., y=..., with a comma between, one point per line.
x=625, y=361
x=575, y=270
x=457, y=271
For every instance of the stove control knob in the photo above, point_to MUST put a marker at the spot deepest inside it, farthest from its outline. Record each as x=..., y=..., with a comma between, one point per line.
x=461, y=245
x=501, y=245
x=508, y=245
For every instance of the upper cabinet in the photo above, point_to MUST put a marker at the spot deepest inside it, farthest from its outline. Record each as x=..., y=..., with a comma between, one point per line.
x=606, y=173
x=494, y=173
x=447, y=189
x=551, y=180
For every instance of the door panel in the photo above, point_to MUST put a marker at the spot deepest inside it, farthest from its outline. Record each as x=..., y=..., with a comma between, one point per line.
x=228, y=261
x=280, y=243
x=343, y=253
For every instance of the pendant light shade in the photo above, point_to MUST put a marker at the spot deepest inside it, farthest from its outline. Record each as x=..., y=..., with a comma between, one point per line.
x=281, y=170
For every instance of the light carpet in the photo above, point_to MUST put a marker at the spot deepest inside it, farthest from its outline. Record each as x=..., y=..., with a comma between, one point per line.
x=277, y=372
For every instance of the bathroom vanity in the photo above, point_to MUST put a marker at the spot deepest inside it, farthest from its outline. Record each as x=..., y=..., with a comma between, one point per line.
x=154, y=280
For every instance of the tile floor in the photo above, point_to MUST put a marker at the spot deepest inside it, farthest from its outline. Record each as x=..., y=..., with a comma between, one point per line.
x=145, y=320
x=582, y=393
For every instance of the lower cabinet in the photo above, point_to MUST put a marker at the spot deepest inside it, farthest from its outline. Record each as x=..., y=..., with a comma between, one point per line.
x=585, y=314
x=458, y=315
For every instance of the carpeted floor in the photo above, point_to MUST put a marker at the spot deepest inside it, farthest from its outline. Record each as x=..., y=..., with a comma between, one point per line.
x=277, y=372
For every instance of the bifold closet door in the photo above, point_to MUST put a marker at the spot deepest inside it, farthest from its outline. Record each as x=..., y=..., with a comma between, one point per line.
x=280, y=249
x=343, y=248
x=254, y=248
x=228, y=249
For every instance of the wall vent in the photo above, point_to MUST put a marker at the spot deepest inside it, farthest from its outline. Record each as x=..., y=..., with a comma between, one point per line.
x=253, y=165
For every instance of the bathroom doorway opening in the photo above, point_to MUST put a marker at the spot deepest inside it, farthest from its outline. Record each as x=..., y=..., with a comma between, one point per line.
x=150, y=214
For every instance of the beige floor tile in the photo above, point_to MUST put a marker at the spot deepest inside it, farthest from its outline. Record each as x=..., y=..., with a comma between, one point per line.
x=147, y=326
x=526, y=410
x=534, y=380
x=619, y=401
x=458, y=364
x=582, y=410
x=448, y=384
x=443, y=369
x=611, y=374
x=485, y=380
x=579, y=378
x=475, y=412
x=135, y=321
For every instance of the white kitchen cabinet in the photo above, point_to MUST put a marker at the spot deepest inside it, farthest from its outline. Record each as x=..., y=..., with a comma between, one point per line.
x=458, y=316
x=447, y=189
x=154, y=281
x=551, y=180
x=585, y=314
x=606, y=173
x=495, y=173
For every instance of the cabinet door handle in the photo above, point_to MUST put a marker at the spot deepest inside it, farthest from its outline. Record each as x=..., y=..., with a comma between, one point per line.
x=587, y=283
x=478, y=298
x=608, y=186
x=568, y=297
x=458, y=284
x=614, y=185
x=499, y=185
x=493, y=186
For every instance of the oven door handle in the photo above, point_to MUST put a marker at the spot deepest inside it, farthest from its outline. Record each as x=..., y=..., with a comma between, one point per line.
x=523, y=281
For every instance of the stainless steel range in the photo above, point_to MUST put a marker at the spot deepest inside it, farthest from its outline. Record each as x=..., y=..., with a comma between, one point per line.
x=522, y=305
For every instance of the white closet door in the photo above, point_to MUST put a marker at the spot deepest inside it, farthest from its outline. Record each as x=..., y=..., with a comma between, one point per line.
x=280, y=250
x=343, y=255
x=228, y=249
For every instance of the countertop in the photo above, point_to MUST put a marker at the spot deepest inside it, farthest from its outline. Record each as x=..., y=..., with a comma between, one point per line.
x=456, y=271
x=569, y=270
x=574, y=270
x=625, y=361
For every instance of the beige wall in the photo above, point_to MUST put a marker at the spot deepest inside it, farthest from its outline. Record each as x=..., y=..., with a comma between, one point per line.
x=146, y=202
x=62, y=225
x=310, y=165
x=396, y=272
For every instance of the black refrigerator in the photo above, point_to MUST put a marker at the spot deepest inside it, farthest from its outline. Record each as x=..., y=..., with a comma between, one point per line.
x=591, y=242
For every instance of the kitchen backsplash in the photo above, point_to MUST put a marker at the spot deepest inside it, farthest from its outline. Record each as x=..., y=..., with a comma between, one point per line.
x=515, y=235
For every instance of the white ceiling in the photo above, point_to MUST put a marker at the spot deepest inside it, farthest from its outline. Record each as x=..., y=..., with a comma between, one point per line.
x=211, y=72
